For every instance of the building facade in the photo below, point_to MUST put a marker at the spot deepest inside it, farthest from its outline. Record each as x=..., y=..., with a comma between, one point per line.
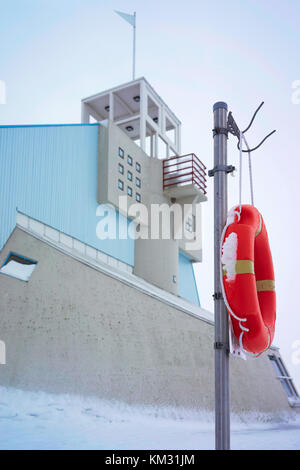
x=91, y=302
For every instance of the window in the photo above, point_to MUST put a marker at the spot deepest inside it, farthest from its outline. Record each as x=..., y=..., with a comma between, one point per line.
x=120, y=185
x=121, y=169
x=138, y=167
x=138, y=197
x=138, y=182
x=190, y=224
x=129, y=191
x=283, y=376
x=129, y=175
x=18, y=266
x=121, y=152
x=129, y=160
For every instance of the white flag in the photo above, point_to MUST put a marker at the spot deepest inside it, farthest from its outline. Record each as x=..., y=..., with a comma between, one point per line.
x=129, y=18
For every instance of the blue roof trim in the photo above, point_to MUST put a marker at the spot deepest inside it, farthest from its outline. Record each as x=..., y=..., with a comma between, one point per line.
x=48, y=125
x=12, y=253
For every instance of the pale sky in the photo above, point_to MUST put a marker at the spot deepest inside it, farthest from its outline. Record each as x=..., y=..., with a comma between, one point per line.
x=53, y=53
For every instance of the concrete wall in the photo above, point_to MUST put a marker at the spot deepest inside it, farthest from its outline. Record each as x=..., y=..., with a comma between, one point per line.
x=73, y=329
x=156, y=261
x=111, y=138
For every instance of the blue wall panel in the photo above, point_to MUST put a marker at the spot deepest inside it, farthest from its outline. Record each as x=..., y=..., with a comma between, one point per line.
x=50, y=174
x=187, y=282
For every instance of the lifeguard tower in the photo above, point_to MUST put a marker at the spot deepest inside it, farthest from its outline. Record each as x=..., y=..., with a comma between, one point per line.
x=140, y=158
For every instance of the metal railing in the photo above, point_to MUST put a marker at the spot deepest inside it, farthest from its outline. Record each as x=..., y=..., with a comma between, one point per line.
x=183, y=170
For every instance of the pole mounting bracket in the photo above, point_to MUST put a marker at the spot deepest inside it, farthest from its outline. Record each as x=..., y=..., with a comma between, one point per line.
x=220, y=130
x=225, y=168
x=218, y=296
x=219, y=345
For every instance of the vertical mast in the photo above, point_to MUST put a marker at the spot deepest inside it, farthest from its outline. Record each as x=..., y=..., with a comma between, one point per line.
x=134, y=46
x=222, y=399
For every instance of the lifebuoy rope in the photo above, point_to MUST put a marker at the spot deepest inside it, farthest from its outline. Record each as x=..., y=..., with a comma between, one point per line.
x=243, y=138
x=230, y=221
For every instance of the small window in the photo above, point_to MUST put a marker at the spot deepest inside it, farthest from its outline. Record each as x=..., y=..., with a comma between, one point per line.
x=121, y=169
x=189, y=226
x=129, y=191
x=138, y=197
x=120, y=185
x=283, y=376
x=129, y=160
x=138, y=167
x=18, y=266
x=121, y=152
x=129, y=175
x=138, y=182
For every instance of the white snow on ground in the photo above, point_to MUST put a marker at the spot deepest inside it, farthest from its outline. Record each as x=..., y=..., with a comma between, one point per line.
x=42, y=421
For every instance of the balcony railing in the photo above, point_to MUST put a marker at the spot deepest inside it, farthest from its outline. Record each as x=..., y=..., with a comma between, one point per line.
x=184, y=170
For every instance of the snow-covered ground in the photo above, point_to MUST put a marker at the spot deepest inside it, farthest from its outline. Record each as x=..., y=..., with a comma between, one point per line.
x=42, y=421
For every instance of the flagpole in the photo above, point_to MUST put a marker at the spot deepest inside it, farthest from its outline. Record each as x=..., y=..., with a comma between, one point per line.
x=134, y=46
x=131, y=19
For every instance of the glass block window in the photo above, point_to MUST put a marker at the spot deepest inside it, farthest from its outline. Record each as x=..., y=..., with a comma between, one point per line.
x=129, y=191
x=138, y=182
x=129, y=160
x=138, y=197
x=129, y=175
x=189, y=225
x=121, y=152
x=18, y=266
x=138, y=167
x=121, y=169
x=120, y=185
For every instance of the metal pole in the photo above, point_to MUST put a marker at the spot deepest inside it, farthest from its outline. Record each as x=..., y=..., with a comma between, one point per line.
x=222, y=399
x=134, y=46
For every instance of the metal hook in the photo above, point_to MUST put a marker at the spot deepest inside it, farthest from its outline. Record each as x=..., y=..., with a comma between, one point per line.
x=233, y=129
x=255, y=148
x=253, y=117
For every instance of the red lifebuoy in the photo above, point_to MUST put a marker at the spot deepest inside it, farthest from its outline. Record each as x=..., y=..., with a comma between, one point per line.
x=248, y=279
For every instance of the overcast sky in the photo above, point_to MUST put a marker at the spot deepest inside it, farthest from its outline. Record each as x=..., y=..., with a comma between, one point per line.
x=53, y=53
